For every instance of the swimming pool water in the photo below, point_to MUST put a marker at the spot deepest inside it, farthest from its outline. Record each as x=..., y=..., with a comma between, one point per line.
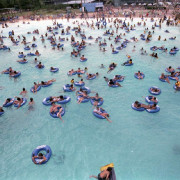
x=140, y=144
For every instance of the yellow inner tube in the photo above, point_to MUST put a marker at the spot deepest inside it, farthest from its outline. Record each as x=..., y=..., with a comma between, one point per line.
x=106, y=166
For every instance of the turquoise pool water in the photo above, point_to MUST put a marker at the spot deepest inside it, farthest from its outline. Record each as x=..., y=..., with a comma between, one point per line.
x=141, y=145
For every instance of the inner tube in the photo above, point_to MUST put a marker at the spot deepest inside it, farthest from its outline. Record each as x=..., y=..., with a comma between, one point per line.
x=127, y=64
x=46, y=85
x=54, y=70
x=74, y=73
x=82, y=72
x=98, y=115
x=46, y=101
x=1, y=113
x=39, y=87
x=31, y=54
x=169, y=71
x=114, y=86
x=9, y=104
x=119, y=48
x=66, y=88
x=27, y=48
x=100, y=102
x=149, y=100
x=54, y=114
x=33, y=45
x=84, y=100
x=22, y=62
x=84, y=60
x=137, y=109
x=154, y=93
x=153, y=110
x=172, y=52
x=16, y=75
x=7, y=71
x=171, y=38
x=91, y=78
x=163, y=80
x=21, y=56
x=119, y=80
x=66, y=100
x=77, y=84
x=61, y=45
x=175, y=87
x=172, y=78
x=115, y=52
x=136, y=76
x=42, y=148
x=24, y=102
x=175, y=49
x=154, y=48
x=38, y=67
x=85, y=89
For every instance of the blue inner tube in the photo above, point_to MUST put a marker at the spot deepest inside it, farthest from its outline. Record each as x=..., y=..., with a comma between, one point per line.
x=66, y=100
x=172, y=52
x=175, y=49
x=143, y=39
x=7, y=71
x=100, y=101
x=168, y=70
x=21, y=56
x=113, y=86
x=91, y=78
x=129, y=64
x=38, y=67
x=119, y=80
x=27, y=48
x=33, y=45
x=115, y=52
x=46, y=101
x=136, y=76
x=31, y=54
x=137, y=109
x=54, y=70
x=163, y=80
x=16, y=75
x=86, y=89
x=9, y=104
x=66, y=88
x=22, y=62
x=172, y=78
x=84, y=100
x=154, y=48
x=77, y=84
x=54, y=114
x=61, y=45
x=153, y=110
x=154, y=93
x=83, y=60
x=39, y=87
x=80, y=72
x=74, y=73
x=45, y=148
x=1, y=113
x=175, y=87
x=24, y=102
x=149, y=100
x=46, y=85
x=119, y=48
x=98, y=115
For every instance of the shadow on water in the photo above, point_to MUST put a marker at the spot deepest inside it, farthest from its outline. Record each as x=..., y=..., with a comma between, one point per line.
x=176, y=149
x=59, y=159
